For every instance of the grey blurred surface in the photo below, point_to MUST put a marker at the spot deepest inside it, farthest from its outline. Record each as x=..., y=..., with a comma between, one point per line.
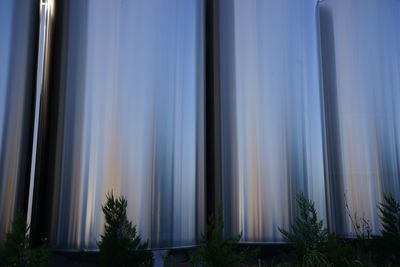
x=130, y=120
x=310, y=97
x=297, y=117
x=360, y=49
x=18, y=25
x=272, y=135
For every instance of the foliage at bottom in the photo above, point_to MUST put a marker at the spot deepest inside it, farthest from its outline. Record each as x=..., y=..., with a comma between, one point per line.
x=217, y=251
x=17, y=251
x=120, y=245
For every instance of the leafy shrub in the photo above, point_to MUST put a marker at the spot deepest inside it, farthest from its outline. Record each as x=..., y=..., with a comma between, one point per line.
x=120, y=245
x=307, y=235
x=312, y=243
x=342, y=253
x=362, y=245
x=217, y=251
x=388, y=244
x=17, y=251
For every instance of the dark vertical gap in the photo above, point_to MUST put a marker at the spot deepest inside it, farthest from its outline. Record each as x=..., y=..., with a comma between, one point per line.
x=228, y=109
x=212, y=109
x=45, y=164
x=32, y=17
x=332, y=158
x=29, y=107
x=200, y=117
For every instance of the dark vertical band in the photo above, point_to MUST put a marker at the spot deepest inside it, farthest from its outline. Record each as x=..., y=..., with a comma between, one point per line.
x=332, y=155
x=41, y=166
x=212, y=109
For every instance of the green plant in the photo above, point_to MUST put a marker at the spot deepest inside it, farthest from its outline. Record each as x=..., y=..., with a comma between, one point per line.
x=388, y=243
x=312, y=243
x=120, y=245
x=17, y=251
x=361, y=227
x=362, y=245
x=307, y=235
x=217, y=251
x=341, y=252
x=316, y=258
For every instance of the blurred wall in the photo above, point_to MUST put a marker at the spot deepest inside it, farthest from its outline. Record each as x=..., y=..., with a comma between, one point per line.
x=129, y=120
x=272, y=135
x=306, y=100
x=18, y=28
x=360, y=52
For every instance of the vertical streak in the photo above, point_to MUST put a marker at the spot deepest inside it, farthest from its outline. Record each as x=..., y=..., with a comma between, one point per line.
x=332, y=153
x=46, y=17
x=212, y=112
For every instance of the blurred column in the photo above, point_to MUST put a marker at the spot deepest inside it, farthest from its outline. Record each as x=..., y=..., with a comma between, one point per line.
x=18, y=52
x=127, y=115
x=360, y=54
x=212, y=107
x=271, y=127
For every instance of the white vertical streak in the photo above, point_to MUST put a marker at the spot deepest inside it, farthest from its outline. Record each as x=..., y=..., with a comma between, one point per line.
x=45, y=20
